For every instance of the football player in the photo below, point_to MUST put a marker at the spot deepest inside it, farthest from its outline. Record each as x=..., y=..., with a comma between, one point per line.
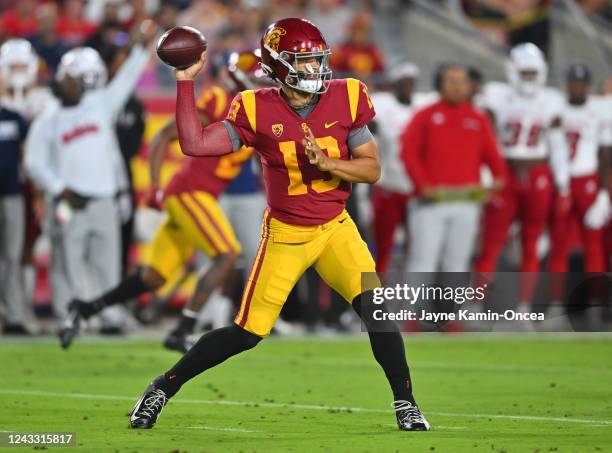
x=19, y=69
x=527, y=116
x=390, y=195
x=313, y=140
x=194, y=219
x=589, y=136
x=22, y=94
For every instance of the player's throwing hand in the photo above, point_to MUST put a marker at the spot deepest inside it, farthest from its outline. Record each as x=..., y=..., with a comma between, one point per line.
x=316, y=156
x=192, y=71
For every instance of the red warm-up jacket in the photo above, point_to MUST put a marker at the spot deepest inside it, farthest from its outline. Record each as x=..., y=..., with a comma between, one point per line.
x=445, y=145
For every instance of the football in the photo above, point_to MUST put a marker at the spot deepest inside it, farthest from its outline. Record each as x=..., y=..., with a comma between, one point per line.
x=181, y=47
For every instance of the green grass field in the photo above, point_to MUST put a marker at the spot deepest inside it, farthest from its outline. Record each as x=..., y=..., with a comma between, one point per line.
x=481, y=393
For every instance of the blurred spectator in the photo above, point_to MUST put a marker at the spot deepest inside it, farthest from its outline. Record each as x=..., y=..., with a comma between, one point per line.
x=21, y=20
x=283, y=8
x=166, y=17
x=523, y=20
x=72, y=27
x=443, y=149
x=208, y=16
x=358, y=55
x=46, y=42
x=330, y=16
x=13, y=131
x=109, y=35
x=138, y=13
x=244, y=28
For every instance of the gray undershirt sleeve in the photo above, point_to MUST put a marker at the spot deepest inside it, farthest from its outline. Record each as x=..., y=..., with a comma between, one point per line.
x=234, y=137
x=358, y=137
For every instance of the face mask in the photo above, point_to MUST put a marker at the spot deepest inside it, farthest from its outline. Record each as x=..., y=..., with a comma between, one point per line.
x=528, y=88
x=18, y=80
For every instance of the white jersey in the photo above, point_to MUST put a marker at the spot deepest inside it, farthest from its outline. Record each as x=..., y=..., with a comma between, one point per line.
x=76, y=147
x=522, y=122
x=35, y=101
x=587, y=127
x=392, y=117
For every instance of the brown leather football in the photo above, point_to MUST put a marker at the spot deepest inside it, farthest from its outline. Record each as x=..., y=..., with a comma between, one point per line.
x=181, y=47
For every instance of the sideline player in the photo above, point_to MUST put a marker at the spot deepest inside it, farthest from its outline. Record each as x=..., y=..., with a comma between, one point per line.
x=194, y=220
x=21, y=93
x=391, y=194
x=305, y=224
x=589, y=136
x=527, y=116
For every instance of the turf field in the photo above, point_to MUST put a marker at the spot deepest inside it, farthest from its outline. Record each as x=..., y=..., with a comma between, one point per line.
x=481, y=393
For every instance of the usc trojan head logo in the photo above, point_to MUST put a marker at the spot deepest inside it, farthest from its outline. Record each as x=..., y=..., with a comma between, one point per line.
x=277, y=129
x=273, y=37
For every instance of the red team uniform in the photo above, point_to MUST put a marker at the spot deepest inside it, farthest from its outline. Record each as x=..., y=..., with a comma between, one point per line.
x=587, y=130
x=527, y=117
x=194, y=218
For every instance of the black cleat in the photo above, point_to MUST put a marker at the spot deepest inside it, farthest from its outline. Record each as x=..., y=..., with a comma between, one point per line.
x=409, y=416
x=178, y=341
x=148, y=408
x=70, y=326
x=85, y=309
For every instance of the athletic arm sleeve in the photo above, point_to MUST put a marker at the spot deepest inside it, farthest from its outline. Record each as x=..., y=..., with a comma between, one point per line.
x=195, y=140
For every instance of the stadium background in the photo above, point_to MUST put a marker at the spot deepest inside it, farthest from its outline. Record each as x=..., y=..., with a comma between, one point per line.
x=315, y=393
x=367, y=38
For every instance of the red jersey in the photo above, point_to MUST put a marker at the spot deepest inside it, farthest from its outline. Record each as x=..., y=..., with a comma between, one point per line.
x=359, y=59
x=297, y=192
x=12, y=25
x=445, y=145
x=209, y=174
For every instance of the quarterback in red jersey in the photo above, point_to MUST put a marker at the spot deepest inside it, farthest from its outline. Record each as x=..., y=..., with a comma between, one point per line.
x=313, y=141
x=194, y=219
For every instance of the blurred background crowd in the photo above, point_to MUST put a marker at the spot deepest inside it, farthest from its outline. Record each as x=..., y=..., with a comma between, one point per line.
x=370, y=40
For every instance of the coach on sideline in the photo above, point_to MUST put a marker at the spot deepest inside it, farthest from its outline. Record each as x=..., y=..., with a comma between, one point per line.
x=443, y=148
x=73, y=155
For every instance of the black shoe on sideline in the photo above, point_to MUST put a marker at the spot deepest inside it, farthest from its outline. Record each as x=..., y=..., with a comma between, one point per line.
x=178, y=341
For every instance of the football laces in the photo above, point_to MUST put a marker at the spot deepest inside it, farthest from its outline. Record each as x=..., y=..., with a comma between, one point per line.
x=409, y=412
x=154, y=403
